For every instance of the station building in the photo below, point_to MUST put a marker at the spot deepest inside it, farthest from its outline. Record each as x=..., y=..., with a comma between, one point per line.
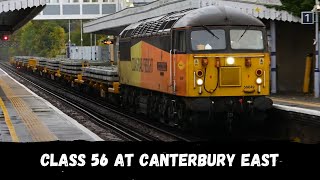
x=85, y=9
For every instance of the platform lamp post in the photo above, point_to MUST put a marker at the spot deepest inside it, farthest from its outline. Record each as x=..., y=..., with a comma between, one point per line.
x=81, y=40
x=91, y=45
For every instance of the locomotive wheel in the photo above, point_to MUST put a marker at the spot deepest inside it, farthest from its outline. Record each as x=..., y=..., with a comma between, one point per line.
x=155, y=107
x=171, y=114
x=181, y=112
x=170, y=111
x=162, y=109
x=187, y=119
x=132, y=101
x=150, y=106
x=123, y=99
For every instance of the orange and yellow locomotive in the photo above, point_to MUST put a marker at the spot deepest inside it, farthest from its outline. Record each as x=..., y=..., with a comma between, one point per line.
x=212, y=60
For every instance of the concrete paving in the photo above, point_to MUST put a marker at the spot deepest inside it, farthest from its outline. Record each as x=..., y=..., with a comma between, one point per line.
x=26, y=117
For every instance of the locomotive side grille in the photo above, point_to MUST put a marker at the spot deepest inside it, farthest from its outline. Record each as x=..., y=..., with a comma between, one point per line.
x=230, y=76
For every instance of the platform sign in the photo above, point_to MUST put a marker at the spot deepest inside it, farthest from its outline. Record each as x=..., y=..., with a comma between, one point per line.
x=307, y=17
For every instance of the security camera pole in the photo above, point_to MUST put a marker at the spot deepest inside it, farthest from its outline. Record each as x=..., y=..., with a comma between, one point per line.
x=316, y=70
x=311, y=17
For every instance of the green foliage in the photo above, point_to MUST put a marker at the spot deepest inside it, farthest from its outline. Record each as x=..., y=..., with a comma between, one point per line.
x=295, y=6
x=39, y=38
x=48, y=38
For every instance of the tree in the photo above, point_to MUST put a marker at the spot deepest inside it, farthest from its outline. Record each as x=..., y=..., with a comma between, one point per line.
x=49, y=38
x=296, y=6
x=40, y=38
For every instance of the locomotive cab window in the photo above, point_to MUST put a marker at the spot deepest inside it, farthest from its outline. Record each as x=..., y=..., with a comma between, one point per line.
x=246, y=39
x=202, y=40
x=180, y=41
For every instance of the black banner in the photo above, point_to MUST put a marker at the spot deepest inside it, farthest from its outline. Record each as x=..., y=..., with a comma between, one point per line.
x=126, y=160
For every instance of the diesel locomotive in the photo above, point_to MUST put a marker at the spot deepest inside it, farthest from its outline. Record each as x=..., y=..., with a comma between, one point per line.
x=212, y=60
x=182, y=68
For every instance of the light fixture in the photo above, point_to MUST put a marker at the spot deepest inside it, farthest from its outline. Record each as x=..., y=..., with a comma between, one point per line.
x=259, y=81
x=199, y=73
x=259, y=72
x=199, y=82
x=230, y=60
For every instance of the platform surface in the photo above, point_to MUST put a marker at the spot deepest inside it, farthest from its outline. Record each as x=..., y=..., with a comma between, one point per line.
x=26, y=117
x=301, y=103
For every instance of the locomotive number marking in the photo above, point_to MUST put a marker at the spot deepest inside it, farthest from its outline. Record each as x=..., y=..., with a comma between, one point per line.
x=249, y=87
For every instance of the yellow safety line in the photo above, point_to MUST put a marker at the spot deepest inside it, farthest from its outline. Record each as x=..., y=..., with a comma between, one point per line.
x=8, y=122
x=297, y=102
x=36, y=128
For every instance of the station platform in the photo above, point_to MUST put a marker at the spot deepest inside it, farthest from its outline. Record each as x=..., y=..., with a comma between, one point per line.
x=300, y=103
x=26, y=117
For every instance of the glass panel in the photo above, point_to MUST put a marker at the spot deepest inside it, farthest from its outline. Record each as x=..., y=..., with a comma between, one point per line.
x=180, y=41
x=246, y=39
x=204, y=40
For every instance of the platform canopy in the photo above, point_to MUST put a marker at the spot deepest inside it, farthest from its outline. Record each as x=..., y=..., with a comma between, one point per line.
x=113, y=24
x=15, y=13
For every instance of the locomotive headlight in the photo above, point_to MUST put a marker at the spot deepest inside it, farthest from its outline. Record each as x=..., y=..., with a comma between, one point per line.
x=230, y=60
x=199, y=82
x=259, y=81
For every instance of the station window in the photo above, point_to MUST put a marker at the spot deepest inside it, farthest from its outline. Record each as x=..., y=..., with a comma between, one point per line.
x=54, y=1
x=75, y=1
x=86, y=1
x=94, y=0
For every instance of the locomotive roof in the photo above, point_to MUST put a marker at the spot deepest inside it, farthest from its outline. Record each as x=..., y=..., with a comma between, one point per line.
x=217, y=15
x=209, y=16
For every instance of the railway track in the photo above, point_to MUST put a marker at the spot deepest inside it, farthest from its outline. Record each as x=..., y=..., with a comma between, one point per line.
x=142, y=131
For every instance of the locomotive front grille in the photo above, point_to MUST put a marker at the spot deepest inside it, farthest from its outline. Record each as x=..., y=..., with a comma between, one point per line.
x=230, y=76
